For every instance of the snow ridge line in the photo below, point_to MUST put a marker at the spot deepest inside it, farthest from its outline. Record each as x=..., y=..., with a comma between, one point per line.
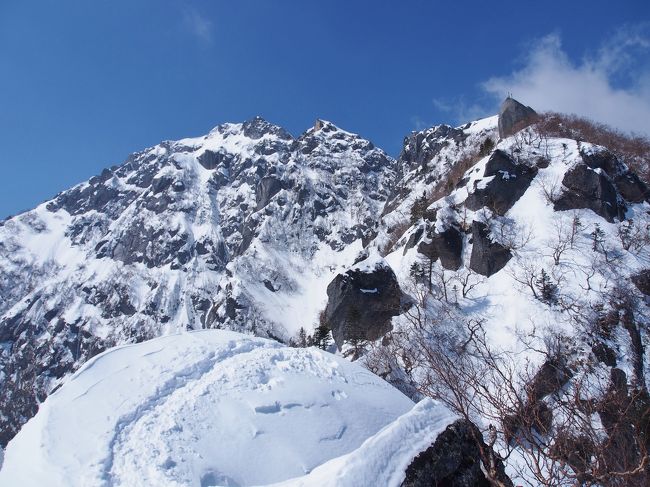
x=182, y=379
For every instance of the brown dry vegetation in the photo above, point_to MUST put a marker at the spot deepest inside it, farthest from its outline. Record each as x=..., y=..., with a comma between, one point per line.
x=633, y=150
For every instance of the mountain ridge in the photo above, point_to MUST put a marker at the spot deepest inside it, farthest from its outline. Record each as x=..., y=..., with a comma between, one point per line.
x=244, y=229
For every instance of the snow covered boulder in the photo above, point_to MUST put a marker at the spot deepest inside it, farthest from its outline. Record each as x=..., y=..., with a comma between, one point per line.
x=211, y=408
x=504, y=182
x=363, y=300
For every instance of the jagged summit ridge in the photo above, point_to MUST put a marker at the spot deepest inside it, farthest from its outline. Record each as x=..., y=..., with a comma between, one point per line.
x=186, y=234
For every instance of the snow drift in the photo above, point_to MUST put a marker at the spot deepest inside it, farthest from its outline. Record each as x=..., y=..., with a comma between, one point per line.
x=220, y=408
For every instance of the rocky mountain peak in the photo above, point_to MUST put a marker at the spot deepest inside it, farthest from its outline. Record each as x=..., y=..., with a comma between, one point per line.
x=257, y=127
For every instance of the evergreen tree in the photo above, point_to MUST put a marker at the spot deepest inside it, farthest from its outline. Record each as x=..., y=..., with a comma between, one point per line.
x=597, y=237
x=576, y=225
x=625, y=233
x=322, y=337
x=302, y=338
x=486, y=147
x=547, y=289
x=416, y=271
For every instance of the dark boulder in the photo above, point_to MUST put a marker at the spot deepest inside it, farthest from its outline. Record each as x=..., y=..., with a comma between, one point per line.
x=488, y=257
x=603, y=159
x=591, y=189
x=362, y=301
x=535, y=414
x=510, y=181
x=453, y=460
x=514, y=116
x=448, y=246
x=266, y=189
x=604, y=353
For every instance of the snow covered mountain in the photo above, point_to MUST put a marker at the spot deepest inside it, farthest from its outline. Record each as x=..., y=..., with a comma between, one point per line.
x=519, y=235
x=240, y=229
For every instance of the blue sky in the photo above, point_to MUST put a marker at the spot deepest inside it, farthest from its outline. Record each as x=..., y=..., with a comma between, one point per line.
x=85, y=83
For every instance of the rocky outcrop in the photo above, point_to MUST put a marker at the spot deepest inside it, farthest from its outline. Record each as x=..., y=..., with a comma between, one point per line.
x=453, y=460
x=448, y=246
x=421, y=147
x=509, y=182
x=642, y=281
x=488, y=257
x=363, y=300
x=266, y=189
x=589, y=188
x=627, y=183
x=632, y=188
x=513, y=117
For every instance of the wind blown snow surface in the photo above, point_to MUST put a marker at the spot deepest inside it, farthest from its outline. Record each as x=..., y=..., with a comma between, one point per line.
x=220, y=408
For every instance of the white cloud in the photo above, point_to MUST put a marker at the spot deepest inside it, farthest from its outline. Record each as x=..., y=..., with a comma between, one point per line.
x=198, y=25
x=612, y=86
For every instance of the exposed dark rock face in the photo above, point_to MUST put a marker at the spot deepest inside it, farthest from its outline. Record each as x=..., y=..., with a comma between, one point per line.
x=420, y=147
x=488, y=257
x=632, y=188
x=266, y=189
x=642, y=281
x=362, y=302
x=513, y=117
x=452, y=461
x=414, y=238
x=627, y=183
x=603, y=159
x=591, y=189
x=510, y=181
x=211, y=160
x=448, y=246
x=257, y=127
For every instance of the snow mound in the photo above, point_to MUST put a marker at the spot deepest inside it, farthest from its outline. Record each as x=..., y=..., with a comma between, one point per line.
x=383, y=458
x=220, y=408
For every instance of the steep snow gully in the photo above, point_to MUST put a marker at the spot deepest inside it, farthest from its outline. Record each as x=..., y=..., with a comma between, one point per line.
x=219, y=408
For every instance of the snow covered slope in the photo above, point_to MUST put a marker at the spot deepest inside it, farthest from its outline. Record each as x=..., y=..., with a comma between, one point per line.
x=240, y=229
x=220, y=408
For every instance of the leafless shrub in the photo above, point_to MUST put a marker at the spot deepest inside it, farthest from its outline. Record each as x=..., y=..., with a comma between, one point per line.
x=468, y=280
x=551, y=187
x=561, y=241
